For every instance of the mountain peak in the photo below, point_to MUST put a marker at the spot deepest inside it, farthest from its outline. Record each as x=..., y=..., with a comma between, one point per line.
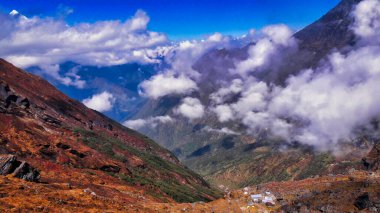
x=14, y=13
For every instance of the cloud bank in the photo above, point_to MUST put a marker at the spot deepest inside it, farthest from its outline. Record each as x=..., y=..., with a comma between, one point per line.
x=320, y=107
x=35, y=41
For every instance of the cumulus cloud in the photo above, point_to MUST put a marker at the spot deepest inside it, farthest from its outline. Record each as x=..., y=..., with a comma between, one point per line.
x=253, y=98
x=48, y=42
x=101, y=102
x=70, y=78
x=151, y=122
x=191, y=108
x=328, y=101
x=165, y=84
x=225, y=92
x=35, y=41
x=224, y=112
x=224, y=131
x=275, y=38
x=180, y=78
x=367, y=21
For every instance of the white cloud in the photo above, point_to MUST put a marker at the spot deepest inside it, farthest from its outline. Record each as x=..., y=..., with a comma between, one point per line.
x=163, y=84
x=224, y=112
x=319, y=107
x=36, y=41
x=217, y=37
x=335, y=100
x=69, y=79
x=253, y=98
x=151, y=122
x=191, y=108
x=224, y=130
x=180, y=77
x=101, y=102
x=276, y=37
x=279, y=34
x=224, y=92
x=135, y=124
x=14, y=13
x=367, y=21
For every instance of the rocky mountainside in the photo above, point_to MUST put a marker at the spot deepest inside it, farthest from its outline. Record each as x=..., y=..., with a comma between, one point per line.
x=357, y=191
x=237, y=160
x=65, y=143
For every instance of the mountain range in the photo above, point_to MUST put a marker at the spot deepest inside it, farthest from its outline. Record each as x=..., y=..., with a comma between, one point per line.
x=56, y=154
x=237, y=159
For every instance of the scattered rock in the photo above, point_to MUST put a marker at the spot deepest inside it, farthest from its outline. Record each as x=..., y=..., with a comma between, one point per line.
x=23, y=102
x=88, y=191
x=63, y=146
x=110, y=168
x=69, y=185
x=363, y=202
x=50, y=119
x=20, y=169
x=48, y=153
x=75, y=152
x=372, y=161
x=109, y=127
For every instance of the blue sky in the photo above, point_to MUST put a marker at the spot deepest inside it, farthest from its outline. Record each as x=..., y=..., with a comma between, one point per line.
x=182, y=19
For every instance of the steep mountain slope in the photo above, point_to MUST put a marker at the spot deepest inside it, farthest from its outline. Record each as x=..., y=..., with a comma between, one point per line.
x=69, y=143
x=359, y=190
x=236, y=159
x=331, y=32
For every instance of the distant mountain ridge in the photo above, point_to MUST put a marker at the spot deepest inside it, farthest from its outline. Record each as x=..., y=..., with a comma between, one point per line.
x=238, y=160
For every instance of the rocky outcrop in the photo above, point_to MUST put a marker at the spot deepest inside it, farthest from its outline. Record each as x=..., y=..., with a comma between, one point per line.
x=9, y=100
x=20, y=169
x=372, y=161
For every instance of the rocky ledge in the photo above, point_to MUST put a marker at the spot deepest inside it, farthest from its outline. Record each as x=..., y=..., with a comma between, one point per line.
x=20, y=169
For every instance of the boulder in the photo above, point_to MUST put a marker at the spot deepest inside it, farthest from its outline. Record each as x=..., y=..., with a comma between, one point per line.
x=20, y=169
x=26, y=172
x=7, y=97
x=372, y=161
